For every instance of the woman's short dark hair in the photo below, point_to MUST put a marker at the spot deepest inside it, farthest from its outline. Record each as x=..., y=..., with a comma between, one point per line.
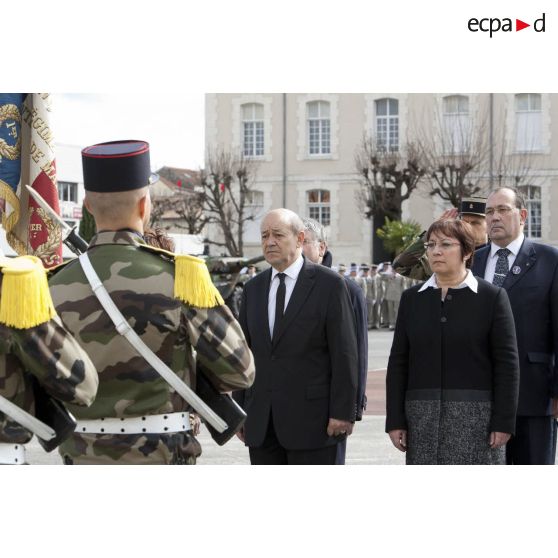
x=460, y=230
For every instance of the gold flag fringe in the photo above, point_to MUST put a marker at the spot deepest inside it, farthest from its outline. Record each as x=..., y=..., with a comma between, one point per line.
x=25, y=300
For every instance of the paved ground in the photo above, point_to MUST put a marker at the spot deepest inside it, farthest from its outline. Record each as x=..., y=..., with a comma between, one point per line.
x=367, y=445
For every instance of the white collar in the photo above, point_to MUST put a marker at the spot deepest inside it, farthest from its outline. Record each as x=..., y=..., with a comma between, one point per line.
x=514, y=246
x=292, y=271
x=469, y=281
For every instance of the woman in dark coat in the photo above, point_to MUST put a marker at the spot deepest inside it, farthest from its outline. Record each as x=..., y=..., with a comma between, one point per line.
x=453, y=373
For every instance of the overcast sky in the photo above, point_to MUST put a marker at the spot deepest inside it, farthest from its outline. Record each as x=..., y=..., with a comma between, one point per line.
x=173, y=125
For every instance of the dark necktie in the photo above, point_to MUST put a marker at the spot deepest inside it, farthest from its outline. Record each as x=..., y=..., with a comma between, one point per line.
x=502, y=267
x=279, y=302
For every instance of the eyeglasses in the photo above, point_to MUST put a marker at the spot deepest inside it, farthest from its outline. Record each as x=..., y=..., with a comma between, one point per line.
x=444, y=245
x=501, y=209
x=307, y=241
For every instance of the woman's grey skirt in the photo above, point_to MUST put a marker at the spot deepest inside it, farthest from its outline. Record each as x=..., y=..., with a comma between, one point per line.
x=450, y=427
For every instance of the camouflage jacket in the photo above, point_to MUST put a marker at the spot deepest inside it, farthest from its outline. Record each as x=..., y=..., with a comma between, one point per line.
x=141, y=283
x=412, y=262
x=52, y=355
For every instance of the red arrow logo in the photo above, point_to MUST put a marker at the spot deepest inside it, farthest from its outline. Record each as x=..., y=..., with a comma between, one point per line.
x=519, y=25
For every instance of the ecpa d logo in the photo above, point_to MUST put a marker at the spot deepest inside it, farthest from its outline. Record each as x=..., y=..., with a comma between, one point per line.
x=492, y=25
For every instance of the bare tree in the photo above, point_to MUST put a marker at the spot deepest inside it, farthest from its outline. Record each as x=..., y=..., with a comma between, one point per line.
x=183, y=208
x=227, y=194
x=387, y=178
x=455, y=154
x=462, y=159
x=510, y=168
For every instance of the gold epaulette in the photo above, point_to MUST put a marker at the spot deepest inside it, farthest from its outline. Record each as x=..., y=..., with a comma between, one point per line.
x=159, y=251
x=25, y=300
x=192, y=282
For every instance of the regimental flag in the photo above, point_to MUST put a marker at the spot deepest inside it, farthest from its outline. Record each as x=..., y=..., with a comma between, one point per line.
x=27, y=157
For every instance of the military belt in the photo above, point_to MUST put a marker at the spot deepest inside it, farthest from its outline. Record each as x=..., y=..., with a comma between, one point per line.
x=148, y=424
x=12, y=454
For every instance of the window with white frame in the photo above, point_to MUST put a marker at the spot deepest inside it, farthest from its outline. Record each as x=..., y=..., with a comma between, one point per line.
x=253, y=130
x=387, y=124
x=254, y=209
x=67, y=191
x=533, y=225
x=457, y=124
x=254, y=199
x=319, y=207
x=528, y=122
x=319, y=128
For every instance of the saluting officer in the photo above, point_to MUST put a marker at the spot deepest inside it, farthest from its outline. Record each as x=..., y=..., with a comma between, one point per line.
x=169, y=302
x=34, y=346
x=413, y=263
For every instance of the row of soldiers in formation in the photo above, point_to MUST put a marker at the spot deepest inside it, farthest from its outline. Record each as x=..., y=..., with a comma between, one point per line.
x=382, y=287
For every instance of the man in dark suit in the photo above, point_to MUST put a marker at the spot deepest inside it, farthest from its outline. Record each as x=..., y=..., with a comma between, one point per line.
x=299, y=323
x=314, y=249
x=529, y=273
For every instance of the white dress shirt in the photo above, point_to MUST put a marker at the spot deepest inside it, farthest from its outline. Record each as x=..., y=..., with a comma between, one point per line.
x=469, y=281
x=291, y=275
x=513, y=247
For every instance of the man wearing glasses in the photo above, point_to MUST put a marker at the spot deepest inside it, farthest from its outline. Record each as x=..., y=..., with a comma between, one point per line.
x=529, y=273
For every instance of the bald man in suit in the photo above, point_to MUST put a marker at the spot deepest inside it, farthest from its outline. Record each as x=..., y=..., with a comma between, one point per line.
x=299, y=323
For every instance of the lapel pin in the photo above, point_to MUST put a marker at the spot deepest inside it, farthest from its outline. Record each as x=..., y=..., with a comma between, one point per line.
x=516, y=270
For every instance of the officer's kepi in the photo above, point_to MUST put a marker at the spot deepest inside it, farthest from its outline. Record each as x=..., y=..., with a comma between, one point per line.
x=473, y=206
x=117, y=166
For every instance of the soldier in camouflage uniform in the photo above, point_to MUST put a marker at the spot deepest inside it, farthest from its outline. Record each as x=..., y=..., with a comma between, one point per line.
x=412, y=262
x=169, y=301
x=191, y=449
x=38, y=346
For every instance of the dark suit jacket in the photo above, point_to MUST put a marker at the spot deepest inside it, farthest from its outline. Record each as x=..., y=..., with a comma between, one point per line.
x=358, y=302
x=308, y=374
x=361, y=317
x=461, y=350
x=533, y=294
